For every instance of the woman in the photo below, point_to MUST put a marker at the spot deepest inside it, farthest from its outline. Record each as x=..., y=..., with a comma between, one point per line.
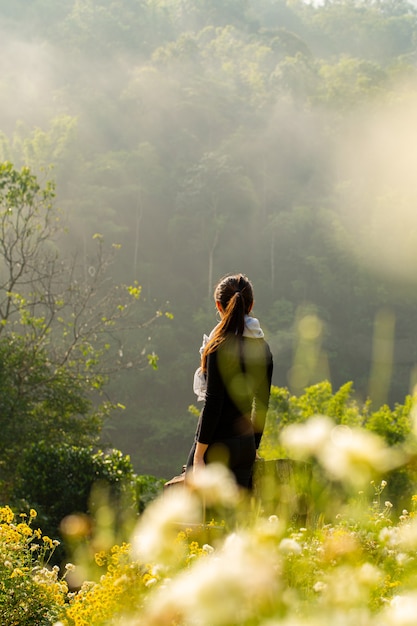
x=234, y=380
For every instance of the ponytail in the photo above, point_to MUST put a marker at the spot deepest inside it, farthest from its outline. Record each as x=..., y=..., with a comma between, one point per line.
x=235, y=295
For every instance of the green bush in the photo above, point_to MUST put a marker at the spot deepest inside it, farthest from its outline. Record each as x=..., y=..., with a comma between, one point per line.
x=392, y=425
x=58, y=481
x=147, y=489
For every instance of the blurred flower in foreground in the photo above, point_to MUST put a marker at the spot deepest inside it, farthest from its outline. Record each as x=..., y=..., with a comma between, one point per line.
x=403, y=536
x=402, y=611
x=228, y=587
x=154, y=539
x=347, y=454
x=215, y=484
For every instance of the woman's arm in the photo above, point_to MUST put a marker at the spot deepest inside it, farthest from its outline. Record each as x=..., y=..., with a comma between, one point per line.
x=199, y=453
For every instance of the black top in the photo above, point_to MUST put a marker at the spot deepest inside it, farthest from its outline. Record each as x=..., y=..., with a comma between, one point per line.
x=239, y=376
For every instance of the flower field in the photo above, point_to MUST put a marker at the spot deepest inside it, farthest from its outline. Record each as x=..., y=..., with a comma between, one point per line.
x=209, y=555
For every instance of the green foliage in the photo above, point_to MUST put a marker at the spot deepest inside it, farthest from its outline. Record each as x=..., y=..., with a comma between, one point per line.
x=59, y=335
x=147, y=489
x=393, y=425
x=39, y=402
x=58, y=480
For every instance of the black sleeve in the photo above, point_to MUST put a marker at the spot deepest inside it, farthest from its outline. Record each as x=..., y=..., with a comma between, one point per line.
x=214, y=401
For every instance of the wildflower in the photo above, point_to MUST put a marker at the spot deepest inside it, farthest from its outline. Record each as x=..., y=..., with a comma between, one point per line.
x=207, y=548
x=402, y=559
x=306, y=440
x=32, y=514
x=406, y=535
x=155, y=534
x=402, y=610
x=319, y=586
x=369, y=574
x=100, y=558
x=215, y=484
x=389, y=536
x=6, y=514
x=347, y=454
x=232, y=586
x=351, y=454
x=388, y=504
x=16, y=572
x=290, y=546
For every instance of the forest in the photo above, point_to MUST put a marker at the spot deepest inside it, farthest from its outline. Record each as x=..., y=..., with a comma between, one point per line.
x=194, y=138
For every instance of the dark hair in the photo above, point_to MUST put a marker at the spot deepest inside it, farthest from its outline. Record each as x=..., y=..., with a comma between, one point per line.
x=235, y=294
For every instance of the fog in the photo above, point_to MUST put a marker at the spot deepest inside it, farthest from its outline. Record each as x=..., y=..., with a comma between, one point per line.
x=208, y=138
x=378, y=195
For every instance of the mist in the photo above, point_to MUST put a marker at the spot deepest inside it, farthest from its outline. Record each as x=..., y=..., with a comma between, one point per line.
x=273, y=138
x=377, y=164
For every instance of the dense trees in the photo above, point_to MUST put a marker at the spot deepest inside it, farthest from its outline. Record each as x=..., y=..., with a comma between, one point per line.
x=61, y=331
x=270, y=137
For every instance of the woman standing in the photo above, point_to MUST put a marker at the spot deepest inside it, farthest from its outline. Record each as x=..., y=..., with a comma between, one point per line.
x=234, y=380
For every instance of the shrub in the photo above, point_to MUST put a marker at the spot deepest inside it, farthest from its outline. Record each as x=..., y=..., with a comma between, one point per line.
x=31, y=592
x=58, y=481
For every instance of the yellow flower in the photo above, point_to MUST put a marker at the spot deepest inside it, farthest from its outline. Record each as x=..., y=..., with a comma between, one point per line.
x=16, y=572
x=6, y=514
x=24, y=530
x=100, y=558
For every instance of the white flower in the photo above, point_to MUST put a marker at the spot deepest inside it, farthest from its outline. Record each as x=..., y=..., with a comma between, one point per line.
x=306, y=440
x=155, y=534
x=231, y=585
x=215, y=484
x=352, y=454
x=369, y=575
x=319, y=586
x=289, y=546
x=389, y=536
x=402, y=559
x=208, y=548
x=406, y=536
x=402, y=610
x=347, y=454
